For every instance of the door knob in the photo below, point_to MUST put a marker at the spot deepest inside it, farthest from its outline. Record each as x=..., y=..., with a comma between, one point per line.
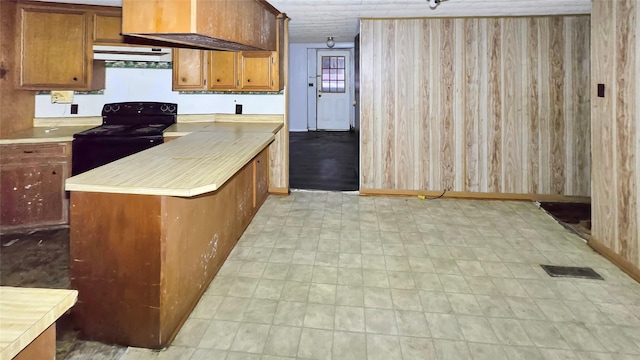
x=319, y=95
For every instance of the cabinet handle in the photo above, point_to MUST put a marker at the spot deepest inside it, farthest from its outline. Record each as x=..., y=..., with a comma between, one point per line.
x=205, y=81
x=248, y=80
x=30, y=151
x=53, y=172
x=75, y=79
x=218, y=80
x=184, y=79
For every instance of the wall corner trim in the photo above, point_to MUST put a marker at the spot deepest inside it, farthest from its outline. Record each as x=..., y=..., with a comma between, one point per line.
x=616, y=259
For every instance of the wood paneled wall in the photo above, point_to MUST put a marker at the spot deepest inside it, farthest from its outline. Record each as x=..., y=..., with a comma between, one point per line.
x=490, y=105
x=615, y=120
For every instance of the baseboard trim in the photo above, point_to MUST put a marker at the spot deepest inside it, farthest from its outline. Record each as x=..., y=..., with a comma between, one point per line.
x=477, y=195
x=616, y=259
x=278, y=191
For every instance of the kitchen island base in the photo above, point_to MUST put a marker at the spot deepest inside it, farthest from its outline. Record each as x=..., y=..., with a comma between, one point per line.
x=142, y=262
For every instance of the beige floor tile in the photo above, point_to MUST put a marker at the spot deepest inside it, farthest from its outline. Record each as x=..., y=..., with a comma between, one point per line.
x=417, y=348
x=231, y=308
x=379, y=321
x=451, y=350
x=295, y=291
x=322, y=294
x=260, y=311
x=476, y=329
x=250, y=338
x=283, y=341
x=544, y=334
x=349, y=346
x=219, y=335
x=350, y=295
x=325, y=275
x=207, y=307
x=411, y=323
x=349, y=318
x=464, y=304
x=487, y=352
x=383, y=347
x=319, y=316
x=208, y=354
x=377, y=298
x=290, y=313
x=510, y=332
x=444, y=326
x=316, y=344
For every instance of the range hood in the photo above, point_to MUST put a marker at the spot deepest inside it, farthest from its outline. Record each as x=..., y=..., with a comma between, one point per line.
x=235, y=25
x=131, y=53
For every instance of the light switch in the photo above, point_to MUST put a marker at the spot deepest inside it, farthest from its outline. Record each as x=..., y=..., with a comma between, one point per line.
x=61, y=97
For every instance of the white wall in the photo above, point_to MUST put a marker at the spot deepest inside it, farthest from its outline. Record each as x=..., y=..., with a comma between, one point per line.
x=155, y=85
x=302, y=98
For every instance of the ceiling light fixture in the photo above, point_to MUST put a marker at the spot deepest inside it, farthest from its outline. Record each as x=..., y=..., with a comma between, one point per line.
x=330, y=42
x=434, y=3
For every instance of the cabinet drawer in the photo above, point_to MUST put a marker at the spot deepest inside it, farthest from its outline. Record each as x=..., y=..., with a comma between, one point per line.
x=22, y=152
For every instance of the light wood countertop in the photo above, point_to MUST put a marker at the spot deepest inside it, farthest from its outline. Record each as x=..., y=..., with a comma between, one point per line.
x=192, y=165
x=43, y=135
x=181, y=129
x=26, y=312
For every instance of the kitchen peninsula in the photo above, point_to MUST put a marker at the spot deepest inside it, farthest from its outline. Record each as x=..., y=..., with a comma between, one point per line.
x=150, y=231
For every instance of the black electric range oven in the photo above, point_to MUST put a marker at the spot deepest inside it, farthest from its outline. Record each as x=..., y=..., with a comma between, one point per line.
x=127, y=128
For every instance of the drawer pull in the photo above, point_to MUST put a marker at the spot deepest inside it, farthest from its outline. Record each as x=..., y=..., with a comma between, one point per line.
x=53, y=172
x=31, y=151
x=248, y=80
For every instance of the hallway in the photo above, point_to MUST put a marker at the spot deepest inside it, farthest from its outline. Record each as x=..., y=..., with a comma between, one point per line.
x=322, y=160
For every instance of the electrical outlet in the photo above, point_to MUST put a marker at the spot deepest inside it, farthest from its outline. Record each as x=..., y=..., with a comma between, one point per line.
x=61, y=97
x=74, y=108
x=238, y=108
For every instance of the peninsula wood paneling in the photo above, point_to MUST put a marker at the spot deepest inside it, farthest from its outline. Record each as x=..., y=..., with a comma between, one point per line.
x=491, y=105
x=616, y=134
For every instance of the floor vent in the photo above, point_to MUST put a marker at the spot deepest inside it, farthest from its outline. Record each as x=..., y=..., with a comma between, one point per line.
x=570, y=271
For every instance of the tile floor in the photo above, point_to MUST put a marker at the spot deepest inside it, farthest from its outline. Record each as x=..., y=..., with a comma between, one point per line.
x=321, y=275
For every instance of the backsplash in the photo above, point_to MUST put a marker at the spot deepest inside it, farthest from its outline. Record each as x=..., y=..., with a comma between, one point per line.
x=132, y=83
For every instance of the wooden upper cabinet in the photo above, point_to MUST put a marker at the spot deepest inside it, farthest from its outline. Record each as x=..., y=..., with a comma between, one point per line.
x=222, y=24
x=223, y=74
x=107, y=27
x=55, y=49
x=258, y=70
x=189, y=69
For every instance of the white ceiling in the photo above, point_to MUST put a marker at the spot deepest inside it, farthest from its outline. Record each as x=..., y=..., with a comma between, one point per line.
x=315, y=20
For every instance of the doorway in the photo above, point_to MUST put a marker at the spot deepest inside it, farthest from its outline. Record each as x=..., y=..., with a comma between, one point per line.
x=332, y=90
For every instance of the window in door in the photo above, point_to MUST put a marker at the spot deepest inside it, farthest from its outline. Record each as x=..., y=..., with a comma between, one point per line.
x=333, y=74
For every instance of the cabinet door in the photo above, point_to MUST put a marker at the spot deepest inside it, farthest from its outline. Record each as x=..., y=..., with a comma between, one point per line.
x=257, y=70
x=107, y=28
x=223, y=74
x=189, y=69
x=54, y=49
x=33, y=194
x=261, y=178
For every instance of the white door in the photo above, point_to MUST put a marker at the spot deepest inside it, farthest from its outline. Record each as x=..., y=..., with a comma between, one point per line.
x=332, y=105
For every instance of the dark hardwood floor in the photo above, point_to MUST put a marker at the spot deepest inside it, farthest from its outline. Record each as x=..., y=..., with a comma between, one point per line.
x=322, y=160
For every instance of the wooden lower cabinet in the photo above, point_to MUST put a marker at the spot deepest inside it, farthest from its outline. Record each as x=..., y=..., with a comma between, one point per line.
x=32, y=191
x=140, y=263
